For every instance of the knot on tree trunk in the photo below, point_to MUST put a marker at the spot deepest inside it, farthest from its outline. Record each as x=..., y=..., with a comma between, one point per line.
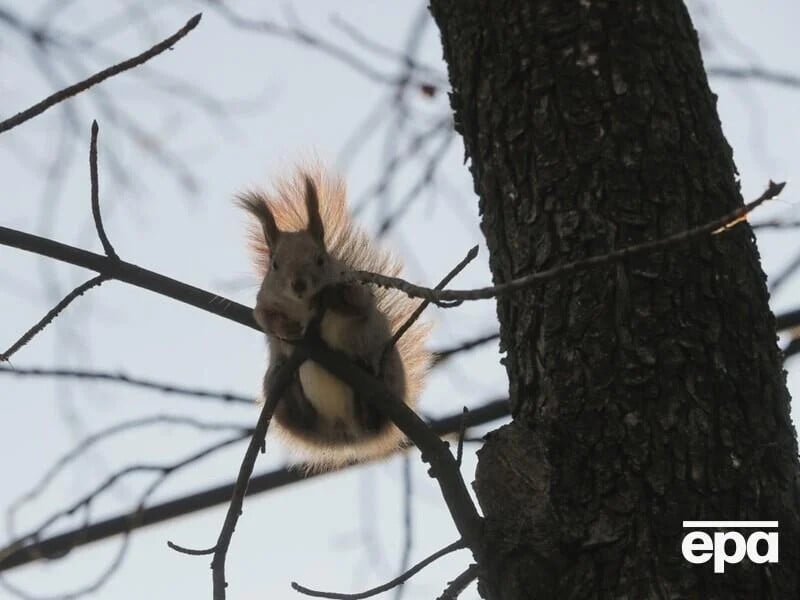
x=513, y=487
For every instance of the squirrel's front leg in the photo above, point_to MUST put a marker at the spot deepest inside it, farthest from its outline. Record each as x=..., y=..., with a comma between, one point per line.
x=292, y=409
x=351, y=299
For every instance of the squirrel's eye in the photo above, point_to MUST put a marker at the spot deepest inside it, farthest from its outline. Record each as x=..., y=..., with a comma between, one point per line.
x=320, y=260
x=275, y=265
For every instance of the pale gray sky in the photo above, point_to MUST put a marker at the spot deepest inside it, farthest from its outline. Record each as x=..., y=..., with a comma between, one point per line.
x=342, y=532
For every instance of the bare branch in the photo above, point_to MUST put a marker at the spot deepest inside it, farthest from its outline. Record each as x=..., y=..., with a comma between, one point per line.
x=129, y=273
x=302, y=35
x=416, y=144
x=386, y=586
x=461, y=432
x=785, y=275
x=408, y=522
x=104, y=434
x=27, y=548
x=278, y=385
x=98, y=219
x=434, y=451
x=167, y=388
x=776, y=225
x=191, y=551
x=792, y=348
x=473, y=252
x=755, y=73
x=716, y=226
x=424, y=180
x=61, y=544
x=459, y=584
x=77, y=88
x=787, y=320
x=441, y=355
x=52, y=314
x=405, y=58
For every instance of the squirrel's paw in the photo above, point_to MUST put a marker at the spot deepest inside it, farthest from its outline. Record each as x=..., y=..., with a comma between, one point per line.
x=278, y=324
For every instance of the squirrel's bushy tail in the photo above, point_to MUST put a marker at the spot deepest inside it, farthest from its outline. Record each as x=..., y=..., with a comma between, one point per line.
x=348, y=243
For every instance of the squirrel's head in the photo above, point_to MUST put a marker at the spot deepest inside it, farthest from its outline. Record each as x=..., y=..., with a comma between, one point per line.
x=299, y=265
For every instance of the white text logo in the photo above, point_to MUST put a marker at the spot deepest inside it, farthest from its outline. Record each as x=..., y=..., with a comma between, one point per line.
x=699, y=547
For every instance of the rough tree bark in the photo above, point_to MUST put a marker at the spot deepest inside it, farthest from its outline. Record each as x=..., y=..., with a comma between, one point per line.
x=646, y=393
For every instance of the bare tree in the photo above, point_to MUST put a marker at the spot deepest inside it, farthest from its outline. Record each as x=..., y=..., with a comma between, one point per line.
x=645, y=383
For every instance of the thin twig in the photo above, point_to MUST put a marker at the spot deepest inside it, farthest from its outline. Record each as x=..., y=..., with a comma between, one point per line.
x=386, y=586
x=191, y=551
x=776, y=225
x=400, y=159
x=167, y=388
x=98, y=219
x=461, y=432
x=423, y=181
x=405, y=58
x=791, y=349
x=104, y=434
x=273, y=394
x=61, y=544
x=755, y=73
x=71, y=90
x=784, y=275
x=28, y=549
x=459, y=584
x=473, y=252
x=408, y=521
x=441, y=355
x=788, y=320
x=299, y=34
x=52, y=314
x=441, y=297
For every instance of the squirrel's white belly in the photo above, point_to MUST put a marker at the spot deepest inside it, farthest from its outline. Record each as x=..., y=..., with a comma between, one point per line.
x=330, y=397
x=335, y=330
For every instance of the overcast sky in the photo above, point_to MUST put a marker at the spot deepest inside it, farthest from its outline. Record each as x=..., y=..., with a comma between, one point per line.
x=342, y=532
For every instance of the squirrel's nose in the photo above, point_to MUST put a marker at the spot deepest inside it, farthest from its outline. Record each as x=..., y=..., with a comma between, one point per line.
x=299, y=286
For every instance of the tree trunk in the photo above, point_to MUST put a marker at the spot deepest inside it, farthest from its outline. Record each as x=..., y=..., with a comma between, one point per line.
x=643, y=393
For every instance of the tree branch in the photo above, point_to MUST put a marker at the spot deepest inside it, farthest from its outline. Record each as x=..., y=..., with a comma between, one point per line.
x=459, y=584
x=386, y=586
x=52, y=314
x=434, y=450
x=473, y=252
x=104, y=434
x=754, y=73
x=299, y=34
x=167, y=388
x=278, y=385
x=77, y=88
x=439, y=297
x=27, y=544
x=191, y=551
x=98, y=219
x=62, y=544
x=129, y=273
x=440, y=356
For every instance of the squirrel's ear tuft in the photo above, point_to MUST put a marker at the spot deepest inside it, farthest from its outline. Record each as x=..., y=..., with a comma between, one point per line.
x=256, y=205
x=315, y=227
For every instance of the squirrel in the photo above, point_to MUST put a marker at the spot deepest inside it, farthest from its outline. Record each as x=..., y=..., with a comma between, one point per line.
x=302, y=241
